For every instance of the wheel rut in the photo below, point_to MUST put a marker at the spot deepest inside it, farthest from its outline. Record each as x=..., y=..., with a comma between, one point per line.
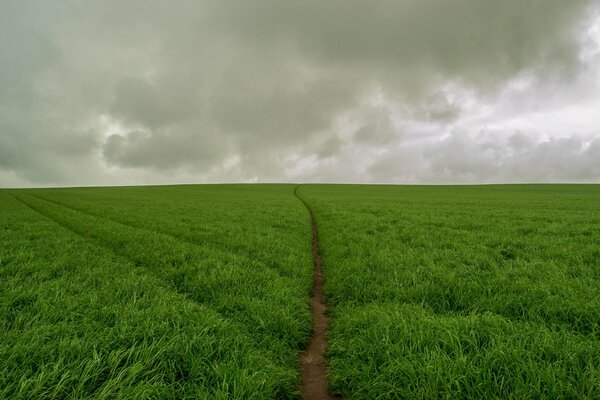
x=138, y=227
x=313, y=364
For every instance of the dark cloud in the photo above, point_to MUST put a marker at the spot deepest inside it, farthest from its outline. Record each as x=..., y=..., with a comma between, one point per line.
x=96, y=92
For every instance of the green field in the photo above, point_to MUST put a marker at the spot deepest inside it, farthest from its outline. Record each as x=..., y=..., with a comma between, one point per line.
x=203, y=291
x=157, y=292
x=451, y=292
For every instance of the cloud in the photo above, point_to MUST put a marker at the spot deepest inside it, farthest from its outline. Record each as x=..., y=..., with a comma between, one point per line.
x=145, y=91
x=477, y=159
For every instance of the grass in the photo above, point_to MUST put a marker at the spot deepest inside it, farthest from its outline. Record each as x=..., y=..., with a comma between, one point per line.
x=164, y=292
x=177, y=292
x=461, y=292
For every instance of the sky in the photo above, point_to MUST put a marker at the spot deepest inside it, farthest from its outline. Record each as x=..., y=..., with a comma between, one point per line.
x=383, y=91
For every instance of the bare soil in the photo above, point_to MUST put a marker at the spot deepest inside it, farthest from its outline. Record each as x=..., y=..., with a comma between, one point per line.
x=313, y=364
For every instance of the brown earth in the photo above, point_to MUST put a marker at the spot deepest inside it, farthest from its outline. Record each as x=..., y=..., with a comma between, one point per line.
x=313, y=364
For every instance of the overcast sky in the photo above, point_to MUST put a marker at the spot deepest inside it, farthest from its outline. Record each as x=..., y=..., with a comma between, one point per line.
x=395, y=91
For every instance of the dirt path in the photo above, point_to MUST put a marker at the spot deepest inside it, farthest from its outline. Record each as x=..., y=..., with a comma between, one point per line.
x=313, y=365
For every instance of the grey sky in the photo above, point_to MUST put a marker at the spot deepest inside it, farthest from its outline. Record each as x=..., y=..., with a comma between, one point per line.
x=402, y=91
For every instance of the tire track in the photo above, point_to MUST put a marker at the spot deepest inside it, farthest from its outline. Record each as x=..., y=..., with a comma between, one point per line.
x=177, y=238
x=148, y=270
x=95, y=241
x=313, y=364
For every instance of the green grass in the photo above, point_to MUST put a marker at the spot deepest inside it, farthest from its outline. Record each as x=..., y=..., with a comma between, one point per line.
x=461, y=292
x=155, y=292
x=177, y=292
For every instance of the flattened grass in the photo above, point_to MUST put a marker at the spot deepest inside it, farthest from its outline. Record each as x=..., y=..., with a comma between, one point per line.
x=461, y=292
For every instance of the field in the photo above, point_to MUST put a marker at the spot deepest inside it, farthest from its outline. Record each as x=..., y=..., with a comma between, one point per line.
x=203, y=291
x=163, y=292
x=452, y=292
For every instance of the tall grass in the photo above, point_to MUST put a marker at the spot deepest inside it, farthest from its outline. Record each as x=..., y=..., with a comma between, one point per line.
x=462, y=292
x=202, y=291
x=179, y=292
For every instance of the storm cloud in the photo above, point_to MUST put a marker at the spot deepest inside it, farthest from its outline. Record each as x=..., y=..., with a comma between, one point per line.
x=425, y=91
